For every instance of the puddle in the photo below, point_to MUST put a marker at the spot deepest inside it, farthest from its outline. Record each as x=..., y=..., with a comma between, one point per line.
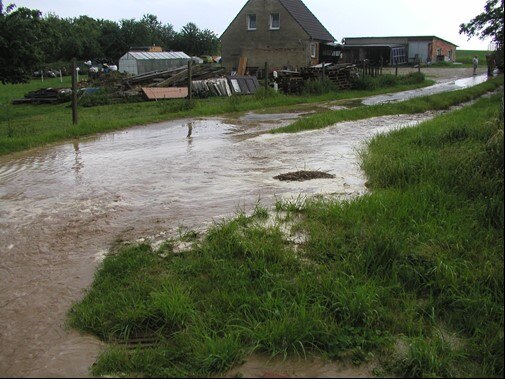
x=63, y=207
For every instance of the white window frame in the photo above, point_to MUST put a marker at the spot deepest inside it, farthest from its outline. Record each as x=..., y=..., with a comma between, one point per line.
x=313, y=50
x=272, y=27
x=249, y=21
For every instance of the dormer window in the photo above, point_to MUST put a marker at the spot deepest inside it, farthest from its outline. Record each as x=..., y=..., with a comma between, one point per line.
x=275, y=21
x=251, y=22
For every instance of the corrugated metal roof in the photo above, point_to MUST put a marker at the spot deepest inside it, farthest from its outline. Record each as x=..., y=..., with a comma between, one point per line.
x=307, y=20
x=406, y=37
x=163, y=55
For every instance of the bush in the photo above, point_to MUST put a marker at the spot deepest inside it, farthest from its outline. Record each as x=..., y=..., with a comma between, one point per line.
x=412, y=78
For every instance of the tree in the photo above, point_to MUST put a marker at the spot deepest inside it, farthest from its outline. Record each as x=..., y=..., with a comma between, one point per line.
x=21, y=44
x=488, y=24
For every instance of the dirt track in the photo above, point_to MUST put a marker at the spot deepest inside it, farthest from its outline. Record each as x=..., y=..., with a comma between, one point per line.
x=439, y=74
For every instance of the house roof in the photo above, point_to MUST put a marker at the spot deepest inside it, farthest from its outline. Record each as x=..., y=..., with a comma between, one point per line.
x=304, y=17
x=307, y=20
x=406, y=37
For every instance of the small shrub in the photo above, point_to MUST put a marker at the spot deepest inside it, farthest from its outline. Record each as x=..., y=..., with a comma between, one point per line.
x=412, y=78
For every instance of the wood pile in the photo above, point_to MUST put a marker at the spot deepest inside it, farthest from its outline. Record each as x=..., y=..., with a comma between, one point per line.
x=176, y=77
x=45, y=96
x=342, y=75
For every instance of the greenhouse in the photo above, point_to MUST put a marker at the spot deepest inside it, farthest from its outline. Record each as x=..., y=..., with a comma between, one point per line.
x=136, y=62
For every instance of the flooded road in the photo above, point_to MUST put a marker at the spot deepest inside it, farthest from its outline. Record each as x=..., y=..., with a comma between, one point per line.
x=442, y=86
x=62, y=207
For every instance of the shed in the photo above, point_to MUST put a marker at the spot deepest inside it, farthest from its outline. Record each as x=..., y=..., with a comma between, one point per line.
x=136, y=62
x=405, y=49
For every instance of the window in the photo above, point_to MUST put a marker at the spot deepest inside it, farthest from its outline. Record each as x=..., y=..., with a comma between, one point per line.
x=313, y=50
x=439, y=52
x=275, y=21
x=251, y=22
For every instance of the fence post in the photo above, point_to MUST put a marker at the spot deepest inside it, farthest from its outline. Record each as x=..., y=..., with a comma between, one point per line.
x=74, y=92
x=396, y=64
x=190, y=79
x=324, y=68
x=266, y=77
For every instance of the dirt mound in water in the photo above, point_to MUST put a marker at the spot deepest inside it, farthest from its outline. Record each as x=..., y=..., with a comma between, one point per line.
x=301, y=176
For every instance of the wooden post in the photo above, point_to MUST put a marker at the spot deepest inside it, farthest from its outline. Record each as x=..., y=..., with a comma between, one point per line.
x=190, y=79
x=74, y=92
x=396, y=65
x=323, y=71
x=266, y=77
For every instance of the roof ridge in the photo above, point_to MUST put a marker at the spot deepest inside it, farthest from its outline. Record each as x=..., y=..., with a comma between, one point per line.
x=311, y=24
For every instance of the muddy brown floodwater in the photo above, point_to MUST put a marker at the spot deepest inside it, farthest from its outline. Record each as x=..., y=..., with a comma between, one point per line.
x=63, y=206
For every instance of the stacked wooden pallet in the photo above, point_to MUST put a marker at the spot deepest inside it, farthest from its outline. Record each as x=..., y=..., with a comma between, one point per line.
x=342, y=75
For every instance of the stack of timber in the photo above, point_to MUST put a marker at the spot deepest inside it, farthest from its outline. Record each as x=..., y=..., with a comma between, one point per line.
x=45, y=96
x=343, y=77
x=175, y=77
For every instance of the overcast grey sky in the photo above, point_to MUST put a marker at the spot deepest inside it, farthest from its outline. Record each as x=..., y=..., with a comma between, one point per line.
x=343, y=18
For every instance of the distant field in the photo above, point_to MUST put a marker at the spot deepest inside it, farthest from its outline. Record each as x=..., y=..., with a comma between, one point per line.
x=466, y=56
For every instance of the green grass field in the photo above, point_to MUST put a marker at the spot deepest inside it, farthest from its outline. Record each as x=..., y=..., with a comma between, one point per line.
x=409, y=275
x=466, y=56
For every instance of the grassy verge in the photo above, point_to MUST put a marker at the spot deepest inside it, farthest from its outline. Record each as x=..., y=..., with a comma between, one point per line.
x=418, y=105
x=466, y=56
x=25, y=126
x=411, y=273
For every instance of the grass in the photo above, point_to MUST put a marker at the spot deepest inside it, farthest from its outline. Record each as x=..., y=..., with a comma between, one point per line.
x=466, y=56
x=411, y=272
x=25, y=126
x=418, y=105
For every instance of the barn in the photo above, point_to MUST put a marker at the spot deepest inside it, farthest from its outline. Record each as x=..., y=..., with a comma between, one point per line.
x=401, y=50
